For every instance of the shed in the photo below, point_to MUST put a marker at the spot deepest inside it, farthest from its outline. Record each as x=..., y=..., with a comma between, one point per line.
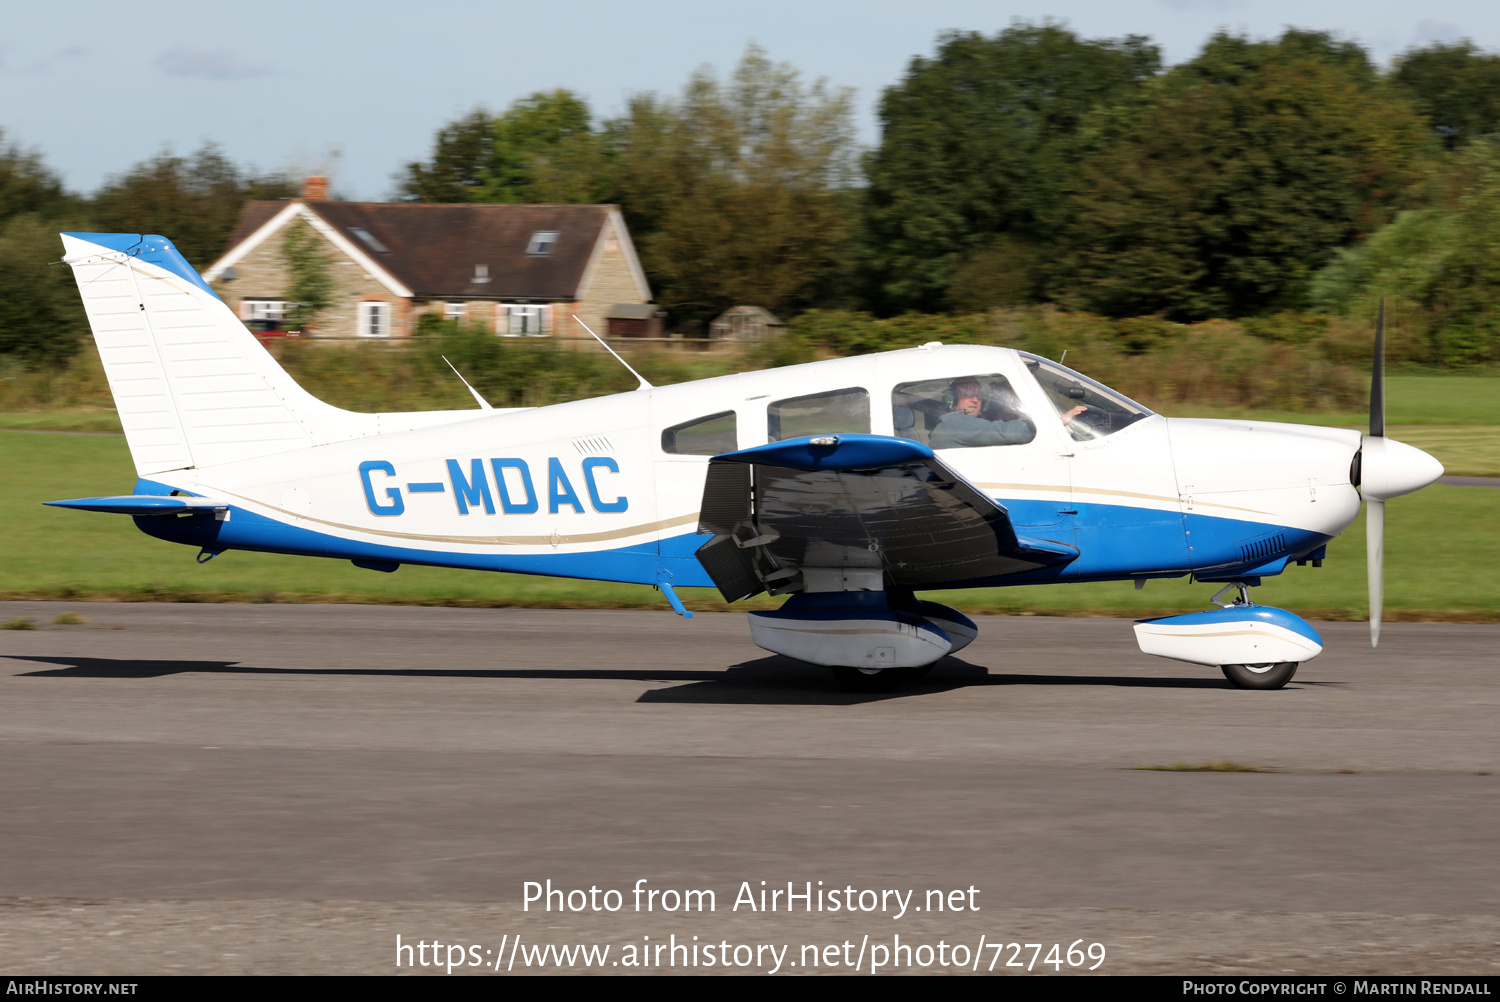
x=745, y=323
x=635, y=320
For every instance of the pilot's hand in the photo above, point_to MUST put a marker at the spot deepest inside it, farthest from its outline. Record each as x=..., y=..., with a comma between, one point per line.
x=1080, y=409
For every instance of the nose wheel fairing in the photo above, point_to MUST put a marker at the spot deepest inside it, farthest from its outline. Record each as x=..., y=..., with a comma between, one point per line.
x=1241, y=635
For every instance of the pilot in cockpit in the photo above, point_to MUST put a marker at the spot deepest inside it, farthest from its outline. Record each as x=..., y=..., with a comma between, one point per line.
x=980, y=418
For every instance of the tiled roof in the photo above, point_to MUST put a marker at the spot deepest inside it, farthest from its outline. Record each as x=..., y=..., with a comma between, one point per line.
x=434, y=249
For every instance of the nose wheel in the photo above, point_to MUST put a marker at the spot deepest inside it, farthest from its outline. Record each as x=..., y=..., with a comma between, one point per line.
x=1260, y=676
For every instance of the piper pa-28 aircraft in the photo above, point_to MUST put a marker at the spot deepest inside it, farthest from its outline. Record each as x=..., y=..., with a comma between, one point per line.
x=848, y=485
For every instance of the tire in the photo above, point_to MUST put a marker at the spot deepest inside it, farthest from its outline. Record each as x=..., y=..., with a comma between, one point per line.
x=1262, y=676
x=870, y=679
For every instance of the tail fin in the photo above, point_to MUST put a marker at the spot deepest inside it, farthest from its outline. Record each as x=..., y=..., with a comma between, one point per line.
x=192, y=385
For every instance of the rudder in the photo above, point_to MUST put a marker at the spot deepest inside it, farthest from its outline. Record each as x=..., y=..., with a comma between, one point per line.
x=192, y=385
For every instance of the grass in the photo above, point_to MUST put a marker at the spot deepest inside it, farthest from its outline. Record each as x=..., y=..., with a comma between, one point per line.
x=1464, y=450
x=1442, y=549
x=1456, y=418
x=1409, y=400
x=63, y=420
x=1443, y=545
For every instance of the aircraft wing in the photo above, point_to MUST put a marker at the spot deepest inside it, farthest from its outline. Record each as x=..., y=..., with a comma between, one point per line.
x=869, y=504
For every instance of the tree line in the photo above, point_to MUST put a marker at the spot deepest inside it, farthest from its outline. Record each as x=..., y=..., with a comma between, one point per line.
x=1261, y=179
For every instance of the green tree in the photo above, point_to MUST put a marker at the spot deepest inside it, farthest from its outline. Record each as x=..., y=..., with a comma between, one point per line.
x=311, y=289
x=976, y=144
x=460, y=164
x=27, y=184
x=1439, y=267
x=740, y=191
x=544, y=148
x=1227, y=183
x=192, y=201
x=1456, y=86
x=42, y=322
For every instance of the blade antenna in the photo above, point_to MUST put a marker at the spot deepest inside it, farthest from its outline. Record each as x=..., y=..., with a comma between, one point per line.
x=484, y=404
x=644, y=385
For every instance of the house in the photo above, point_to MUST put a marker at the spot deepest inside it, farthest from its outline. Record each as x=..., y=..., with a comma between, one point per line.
x=519, y=270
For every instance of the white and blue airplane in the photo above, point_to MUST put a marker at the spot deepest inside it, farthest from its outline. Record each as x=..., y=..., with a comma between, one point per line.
x=848, y=485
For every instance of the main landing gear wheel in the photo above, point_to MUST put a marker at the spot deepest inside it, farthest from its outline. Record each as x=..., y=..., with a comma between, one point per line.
x=871, y=679
x=1265, y=676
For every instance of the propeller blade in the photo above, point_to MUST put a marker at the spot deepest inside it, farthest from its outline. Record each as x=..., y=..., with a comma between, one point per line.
x=1377, y=376
x=1375, y=562
x=1375, y=506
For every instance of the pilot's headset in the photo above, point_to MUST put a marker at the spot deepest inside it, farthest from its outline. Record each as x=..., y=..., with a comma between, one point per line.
x=952, y=393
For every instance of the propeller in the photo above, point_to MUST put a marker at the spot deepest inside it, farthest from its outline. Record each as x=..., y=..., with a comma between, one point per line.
x=1387, y=469
x=1375, y=506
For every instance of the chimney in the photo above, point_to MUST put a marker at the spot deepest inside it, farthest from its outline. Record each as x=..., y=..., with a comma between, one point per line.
x=315, y=189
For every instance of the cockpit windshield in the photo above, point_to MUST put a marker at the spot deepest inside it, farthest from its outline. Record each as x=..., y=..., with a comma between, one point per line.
x=1088, y=409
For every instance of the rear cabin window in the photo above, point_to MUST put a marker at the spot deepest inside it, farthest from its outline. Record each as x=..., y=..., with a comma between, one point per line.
x=963, y=412
x=819, y=414
x=705, y=436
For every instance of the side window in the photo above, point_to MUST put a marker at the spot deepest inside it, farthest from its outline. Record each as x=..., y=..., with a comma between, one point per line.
x=819, y=414
x=964, y=412
x=705, y=436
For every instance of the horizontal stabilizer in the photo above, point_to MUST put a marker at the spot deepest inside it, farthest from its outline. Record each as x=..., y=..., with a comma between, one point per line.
x=142, y=504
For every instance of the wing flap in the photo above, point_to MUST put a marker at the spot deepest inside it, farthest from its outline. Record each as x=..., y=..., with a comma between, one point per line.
x=874, y=504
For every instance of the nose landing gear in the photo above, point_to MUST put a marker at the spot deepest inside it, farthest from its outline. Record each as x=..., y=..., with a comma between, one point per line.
x=1255, y=646
x=1260, y=676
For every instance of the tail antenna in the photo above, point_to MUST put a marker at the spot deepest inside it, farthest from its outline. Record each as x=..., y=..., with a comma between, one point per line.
x=644, y=385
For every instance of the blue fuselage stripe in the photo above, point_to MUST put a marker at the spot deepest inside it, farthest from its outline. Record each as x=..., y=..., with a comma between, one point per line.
x=1114, y=542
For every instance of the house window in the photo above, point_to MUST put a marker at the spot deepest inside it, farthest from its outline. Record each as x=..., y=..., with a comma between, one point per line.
x=513, y=320
x=455, y=311
x=542, y=242
x=374, y=320
x=262, y=309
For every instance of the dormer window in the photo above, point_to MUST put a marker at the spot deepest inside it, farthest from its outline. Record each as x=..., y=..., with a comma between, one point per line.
x=481, y=274
x=542, y=242
x=369, y=240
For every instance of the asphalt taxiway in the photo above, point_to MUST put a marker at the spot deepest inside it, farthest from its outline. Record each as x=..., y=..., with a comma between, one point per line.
x=269, y=788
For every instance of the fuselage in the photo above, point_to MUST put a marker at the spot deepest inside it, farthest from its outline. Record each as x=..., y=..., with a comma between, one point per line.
x=610, y=488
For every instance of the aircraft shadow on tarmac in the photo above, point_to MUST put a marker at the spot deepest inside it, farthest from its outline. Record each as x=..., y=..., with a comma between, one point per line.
x=769, y=680
x=778, y=679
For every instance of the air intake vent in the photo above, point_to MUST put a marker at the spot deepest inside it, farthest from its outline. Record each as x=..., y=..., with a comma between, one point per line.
x=595, y=445
x=1261, y=550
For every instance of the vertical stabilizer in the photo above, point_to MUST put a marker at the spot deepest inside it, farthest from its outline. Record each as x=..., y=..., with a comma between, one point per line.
x=192, y=385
